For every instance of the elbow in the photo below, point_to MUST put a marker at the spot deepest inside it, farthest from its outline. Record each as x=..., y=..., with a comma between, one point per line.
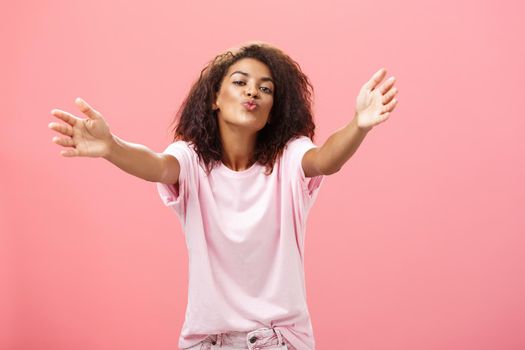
x=329, y=170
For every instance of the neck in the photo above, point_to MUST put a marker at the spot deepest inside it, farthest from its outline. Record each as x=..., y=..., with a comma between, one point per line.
x=237, y=148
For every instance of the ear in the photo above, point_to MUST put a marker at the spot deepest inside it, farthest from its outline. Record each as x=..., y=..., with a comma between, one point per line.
x=215, y=106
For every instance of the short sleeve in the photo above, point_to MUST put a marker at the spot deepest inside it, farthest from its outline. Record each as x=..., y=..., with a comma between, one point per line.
x=309, y=186
x=175, y=196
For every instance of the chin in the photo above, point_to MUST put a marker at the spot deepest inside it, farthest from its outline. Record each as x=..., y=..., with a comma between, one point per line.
x=247, y=120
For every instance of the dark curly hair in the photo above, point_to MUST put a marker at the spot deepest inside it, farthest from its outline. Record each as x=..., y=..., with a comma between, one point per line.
x=290, y=115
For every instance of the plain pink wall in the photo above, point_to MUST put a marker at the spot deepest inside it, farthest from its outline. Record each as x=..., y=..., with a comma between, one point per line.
x=417, y=243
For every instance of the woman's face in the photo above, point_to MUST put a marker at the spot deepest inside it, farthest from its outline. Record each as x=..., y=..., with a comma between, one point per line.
x=247, y=80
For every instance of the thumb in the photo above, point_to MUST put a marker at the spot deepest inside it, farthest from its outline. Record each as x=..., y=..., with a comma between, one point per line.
x=375, y=79
x=87, y=109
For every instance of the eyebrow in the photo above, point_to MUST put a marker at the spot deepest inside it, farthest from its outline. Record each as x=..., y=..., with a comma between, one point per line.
x=246, y=74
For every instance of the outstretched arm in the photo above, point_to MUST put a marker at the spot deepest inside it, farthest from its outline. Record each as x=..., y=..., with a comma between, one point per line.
x=373, y=106
x=140, y=161
x=91, y=137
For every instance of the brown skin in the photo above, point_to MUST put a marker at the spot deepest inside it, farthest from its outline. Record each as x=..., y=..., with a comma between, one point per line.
x=90, y=137
x=238, y=126
x=374, y=105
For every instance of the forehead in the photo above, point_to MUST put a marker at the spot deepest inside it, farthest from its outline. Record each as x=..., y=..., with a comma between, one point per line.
x=251, y=66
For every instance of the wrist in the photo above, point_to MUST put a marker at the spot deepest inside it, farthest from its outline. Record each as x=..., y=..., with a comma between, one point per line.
x=111, y=147
x=360, y=129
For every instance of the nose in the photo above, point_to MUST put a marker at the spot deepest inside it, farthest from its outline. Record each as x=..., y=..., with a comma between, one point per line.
x=251, y=90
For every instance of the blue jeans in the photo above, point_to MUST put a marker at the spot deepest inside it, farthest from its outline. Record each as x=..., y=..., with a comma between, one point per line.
x=262, y=338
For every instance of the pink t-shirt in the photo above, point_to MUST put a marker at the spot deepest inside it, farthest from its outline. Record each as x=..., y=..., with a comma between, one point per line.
x=244, y=233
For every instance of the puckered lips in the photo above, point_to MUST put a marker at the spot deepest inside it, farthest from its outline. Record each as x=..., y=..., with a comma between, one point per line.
x=250, y=105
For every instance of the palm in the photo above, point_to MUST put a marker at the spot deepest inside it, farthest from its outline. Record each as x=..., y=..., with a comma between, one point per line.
x=91, y=137
x=374, y=104
x=88, y=137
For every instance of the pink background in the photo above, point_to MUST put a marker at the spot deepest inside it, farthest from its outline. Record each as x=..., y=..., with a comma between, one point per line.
x=417, y=243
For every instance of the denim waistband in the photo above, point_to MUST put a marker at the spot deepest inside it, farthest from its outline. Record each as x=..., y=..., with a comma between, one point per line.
x=256, y=338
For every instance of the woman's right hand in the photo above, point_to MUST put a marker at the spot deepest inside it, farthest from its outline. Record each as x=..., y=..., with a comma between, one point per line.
x=88, y=137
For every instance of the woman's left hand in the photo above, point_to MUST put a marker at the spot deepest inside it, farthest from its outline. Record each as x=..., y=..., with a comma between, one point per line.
x=374, y=104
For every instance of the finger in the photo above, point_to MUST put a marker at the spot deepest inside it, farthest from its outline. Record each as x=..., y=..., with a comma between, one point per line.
x=61, y=128
x=376, y=79
x=65, y=116
x=69, y=153
x=389, y=95
x=387, y=85
x=63, y=141
x=86, y=108
x=390, y=106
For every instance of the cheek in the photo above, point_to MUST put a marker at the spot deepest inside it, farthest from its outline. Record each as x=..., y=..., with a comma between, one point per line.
x=231, y=92
x=227, y=94
x=270, y=104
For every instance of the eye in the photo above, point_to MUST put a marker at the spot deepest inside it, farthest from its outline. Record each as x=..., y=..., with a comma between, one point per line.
x=265, y=89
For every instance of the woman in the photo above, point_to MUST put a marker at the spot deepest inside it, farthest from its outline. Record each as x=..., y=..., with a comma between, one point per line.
x=241, y=174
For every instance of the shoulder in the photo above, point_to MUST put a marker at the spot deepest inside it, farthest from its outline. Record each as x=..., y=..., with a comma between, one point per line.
x=179, y=146
x=183, y=151
x=299, y=145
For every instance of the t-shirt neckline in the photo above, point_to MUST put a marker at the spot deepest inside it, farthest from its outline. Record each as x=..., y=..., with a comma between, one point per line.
x=223, y=169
